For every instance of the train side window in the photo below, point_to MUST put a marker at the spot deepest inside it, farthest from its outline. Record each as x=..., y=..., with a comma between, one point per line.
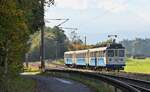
x=110, y=53
x=92, y=54
x=121, y=53
x=81, y=55
x=101, y=53
x=78, y=56
x=68, y=56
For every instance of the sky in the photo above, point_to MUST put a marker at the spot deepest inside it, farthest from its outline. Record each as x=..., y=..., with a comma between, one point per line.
x=96, y=19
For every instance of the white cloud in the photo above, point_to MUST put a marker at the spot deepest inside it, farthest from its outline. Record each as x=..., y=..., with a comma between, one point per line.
x=144, y=16
x=109, y=5
x=73, y=4
x=142, y=13
x=116, y=6
x=113, y=5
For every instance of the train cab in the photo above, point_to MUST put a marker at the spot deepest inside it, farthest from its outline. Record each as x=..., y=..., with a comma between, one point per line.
x=115, y=56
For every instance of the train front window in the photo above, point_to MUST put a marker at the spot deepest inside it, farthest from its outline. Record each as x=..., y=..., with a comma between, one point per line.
x=121, y=53
x=110, y=53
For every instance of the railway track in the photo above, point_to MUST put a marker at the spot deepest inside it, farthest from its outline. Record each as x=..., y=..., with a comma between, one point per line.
x=143, y=86
x=139, y=85
x=114, y=81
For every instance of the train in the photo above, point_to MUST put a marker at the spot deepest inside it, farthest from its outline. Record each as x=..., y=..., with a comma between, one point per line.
x=110, y=57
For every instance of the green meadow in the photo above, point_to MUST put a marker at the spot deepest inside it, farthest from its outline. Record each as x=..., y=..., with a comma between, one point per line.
x=138, y=65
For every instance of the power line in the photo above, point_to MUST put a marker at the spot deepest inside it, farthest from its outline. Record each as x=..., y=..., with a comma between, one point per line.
x=60, y=19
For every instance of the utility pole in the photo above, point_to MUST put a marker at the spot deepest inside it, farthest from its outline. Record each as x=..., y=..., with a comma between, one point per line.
x=56, y=49
x=42, y=36
x=26, y=60
x=85, y=41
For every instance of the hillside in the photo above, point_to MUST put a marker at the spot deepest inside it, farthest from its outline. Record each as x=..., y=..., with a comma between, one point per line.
x=137, y=47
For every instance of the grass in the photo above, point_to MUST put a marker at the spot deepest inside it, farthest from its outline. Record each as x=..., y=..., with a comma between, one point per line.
x=31, y=69
x=19, y=84
x=95, y=85
x=138, y=65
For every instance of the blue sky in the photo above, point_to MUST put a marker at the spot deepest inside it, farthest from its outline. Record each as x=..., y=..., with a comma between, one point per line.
x=98, y=18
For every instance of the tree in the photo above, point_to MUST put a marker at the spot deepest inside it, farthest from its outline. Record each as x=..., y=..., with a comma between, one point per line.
x=104, y=43
x=75, y=42
x=75, y=38
x=56, y=43
x=18, y=19
x=13, y=33
x=137, y=47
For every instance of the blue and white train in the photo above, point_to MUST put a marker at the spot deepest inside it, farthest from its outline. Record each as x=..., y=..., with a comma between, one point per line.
x=109, y=57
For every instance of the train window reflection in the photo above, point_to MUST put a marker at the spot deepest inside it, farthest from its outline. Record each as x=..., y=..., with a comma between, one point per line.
x=81, y=55
x=92, y=54
x=121, y=53
x=110, y=53
x=68, y=56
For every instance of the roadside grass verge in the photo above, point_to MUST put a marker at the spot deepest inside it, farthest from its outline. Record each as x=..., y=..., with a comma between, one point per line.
x=138, y=65
x=31, y=69
x=95, y=85
x=18, y=84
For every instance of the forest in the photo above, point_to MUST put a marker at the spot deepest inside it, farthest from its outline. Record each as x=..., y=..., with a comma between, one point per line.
x=56, y=42
x=137, y=47
x=18, y=20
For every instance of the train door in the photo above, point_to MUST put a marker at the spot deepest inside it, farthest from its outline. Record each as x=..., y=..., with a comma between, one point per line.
x=100, y=59
x=91, y=59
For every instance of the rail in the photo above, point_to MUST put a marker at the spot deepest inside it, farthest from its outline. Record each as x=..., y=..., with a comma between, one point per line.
x=143, y=86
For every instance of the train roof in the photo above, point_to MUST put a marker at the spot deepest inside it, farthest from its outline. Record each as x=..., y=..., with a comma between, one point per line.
x=78, y=51
x=111, y=46
x=115, y=46
x=69, y=52
x=98, y=49
x=81, y=51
